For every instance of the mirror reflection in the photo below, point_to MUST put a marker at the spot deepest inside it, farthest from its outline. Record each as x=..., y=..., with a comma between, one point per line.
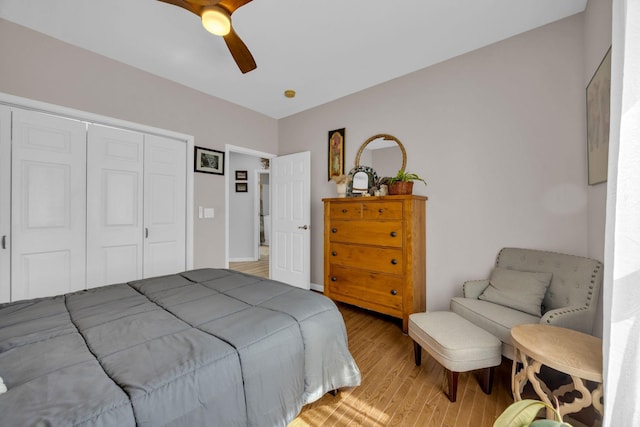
x=384, y=153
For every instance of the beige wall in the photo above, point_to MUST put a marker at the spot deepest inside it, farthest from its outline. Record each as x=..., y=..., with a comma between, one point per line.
x=38, y=67
x=499, y=136
x=498, y=133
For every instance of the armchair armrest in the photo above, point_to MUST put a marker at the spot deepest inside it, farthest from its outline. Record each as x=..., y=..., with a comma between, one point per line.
x=579, y=318
x=473, y=288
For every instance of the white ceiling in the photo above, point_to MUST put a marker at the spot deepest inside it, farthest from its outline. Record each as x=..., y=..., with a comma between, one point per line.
x=323, y=49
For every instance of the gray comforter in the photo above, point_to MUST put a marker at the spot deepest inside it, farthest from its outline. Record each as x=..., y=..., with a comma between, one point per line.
x=202, y=348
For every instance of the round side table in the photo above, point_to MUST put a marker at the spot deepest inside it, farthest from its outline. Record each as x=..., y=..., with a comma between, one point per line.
x=576, y=354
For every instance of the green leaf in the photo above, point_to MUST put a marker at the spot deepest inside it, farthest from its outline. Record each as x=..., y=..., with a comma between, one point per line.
x=549, y=423
x=519, y=414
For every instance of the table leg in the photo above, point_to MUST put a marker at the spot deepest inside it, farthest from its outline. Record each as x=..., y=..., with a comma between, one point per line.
x=545, y=394
x=518, y=377
x=596, y=398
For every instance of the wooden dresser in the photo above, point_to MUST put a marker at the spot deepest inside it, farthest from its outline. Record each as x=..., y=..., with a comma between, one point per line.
x=375, y=253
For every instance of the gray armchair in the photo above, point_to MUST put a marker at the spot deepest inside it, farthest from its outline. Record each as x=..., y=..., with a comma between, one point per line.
x=570, y=300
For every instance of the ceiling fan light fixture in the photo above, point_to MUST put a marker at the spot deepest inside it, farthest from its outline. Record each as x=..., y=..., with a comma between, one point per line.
x=216, y=20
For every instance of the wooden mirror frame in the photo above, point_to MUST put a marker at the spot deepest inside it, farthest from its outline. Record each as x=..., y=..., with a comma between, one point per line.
x=386, y=137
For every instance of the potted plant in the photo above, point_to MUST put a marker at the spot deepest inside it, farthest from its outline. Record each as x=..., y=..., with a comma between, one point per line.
x=523, y=413
x=402, y=183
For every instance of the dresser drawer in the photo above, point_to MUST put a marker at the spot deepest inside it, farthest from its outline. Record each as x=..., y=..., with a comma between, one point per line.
x=366, y=210
x=382, y=233
x=350, y=210
x=386, y=260
x=366, y=289
x=381, y=210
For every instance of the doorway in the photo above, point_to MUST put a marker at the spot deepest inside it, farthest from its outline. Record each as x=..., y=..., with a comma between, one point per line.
x=248, y=223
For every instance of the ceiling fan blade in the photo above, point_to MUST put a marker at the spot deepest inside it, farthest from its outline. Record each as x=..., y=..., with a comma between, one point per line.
x=232, y=5
x=193, y=8
x=240, y=52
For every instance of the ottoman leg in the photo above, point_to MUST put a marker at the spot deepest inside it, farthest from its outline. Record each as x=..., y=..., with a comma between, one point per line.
x=487, y=380
x=417, y=353
x=453, y=384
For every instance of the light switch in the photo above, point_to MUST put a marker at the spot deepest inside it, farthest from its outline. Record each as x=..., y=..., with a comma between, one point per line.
x=208, y=212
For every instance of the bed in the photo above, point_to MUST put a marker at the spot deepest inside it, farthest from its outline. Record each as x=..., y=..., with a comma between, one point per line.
x=208, y=347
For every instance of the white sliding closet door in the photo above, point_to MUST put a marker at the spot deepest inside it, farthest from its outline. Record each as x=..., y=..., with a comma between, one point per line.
x=5, y=203
x=164, y=206
x=48, y=205
x=114, y=205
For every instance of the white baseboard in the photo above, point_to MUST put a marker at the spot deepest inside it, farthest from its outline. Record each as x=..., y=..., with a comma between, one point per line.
x=247, y=259
x=315, y=287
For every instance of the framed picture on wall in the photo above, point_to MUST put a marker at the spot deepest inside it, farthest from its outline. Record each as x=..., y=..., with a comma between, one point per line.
x=598, y=108
x=336, y=153
x=241, y=187
x=241, y=175
x=209, y=161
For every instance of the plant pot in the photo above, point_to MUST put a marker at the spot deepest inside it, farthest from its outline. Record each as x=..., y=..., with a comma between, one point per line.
x=401, y=187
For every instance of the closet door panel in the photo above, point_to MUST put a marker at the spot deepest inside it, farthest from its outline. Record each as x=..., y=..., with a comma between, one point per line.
x=48, y=205
x=114, y=206
x=5, y=204
x=165, y=206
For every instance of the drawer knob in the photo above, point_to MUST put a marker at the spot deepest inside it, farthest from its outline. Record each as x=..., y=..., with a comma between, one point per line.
x=334, y=279
x=334, y=230
x=334, y=253
x=344, y=211
x=394, y=292
x=394, y=261
x=380, y=210
x=393, y=234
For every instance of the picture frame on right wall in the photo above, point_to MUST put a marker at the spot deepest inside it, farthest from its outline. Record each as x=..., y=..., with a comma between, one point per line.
x=598, y=112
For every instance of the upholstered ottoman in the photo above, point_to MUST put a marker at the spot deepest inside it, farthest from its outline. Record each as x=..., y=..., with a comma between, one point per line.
x=457, y=344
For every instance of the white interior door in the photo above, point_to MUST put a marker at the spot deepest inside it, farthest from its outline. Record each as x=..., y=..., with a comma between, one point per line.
x=5, y=203
x=48, y=205
x=114, y=205
x=164, y=206
x=290, y=219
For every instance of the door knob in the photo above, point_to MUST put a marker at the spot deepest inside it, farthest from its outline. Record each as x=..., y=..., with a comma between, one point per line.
x=304, y=227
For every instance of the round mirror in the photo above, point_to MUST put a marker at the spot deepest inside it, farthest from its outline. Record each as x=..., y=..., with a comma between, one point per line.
x=384, y=153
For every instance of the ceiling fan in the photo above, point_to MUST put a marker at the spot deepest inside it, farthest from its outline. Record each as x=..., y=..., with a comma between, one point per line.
x=216, y=18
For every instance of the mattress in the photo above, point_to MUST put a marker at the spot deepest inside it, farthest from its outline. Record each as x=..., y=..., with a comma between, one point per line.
x=208, y=347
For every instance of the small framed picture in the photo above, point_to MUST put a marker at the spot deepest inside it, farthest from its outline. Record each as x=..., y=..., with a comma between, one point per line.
x=241, y=187
x=336, y=153
x=241, y=175
x=209, y=161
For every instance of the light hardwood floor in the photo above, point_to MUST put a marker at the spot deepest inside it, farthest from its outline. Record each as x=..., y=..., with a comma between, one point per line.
x=396, y=392
x=257, y=268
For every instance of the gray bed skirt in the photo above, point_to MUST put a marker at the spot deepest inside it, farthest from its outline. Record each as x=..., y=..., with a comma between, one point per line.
x=209, y=347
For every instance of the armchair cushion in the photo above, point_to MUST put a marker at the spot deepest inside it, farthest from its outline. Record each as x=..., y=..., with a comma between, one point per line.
x=520, y=290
